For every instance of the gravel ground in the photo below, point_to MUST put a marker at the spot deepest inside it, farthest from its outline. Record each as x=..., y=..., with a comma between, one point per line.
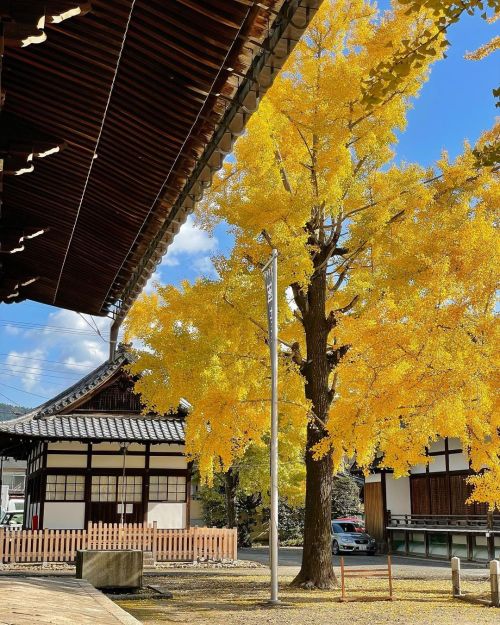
x=237, y=599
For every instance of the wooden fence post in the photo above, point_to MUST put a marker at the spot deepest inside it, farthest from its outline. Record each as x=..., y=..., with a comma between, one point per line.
x=342, y=579
x=389, y=573
x=195, y=544
x=154, y=546
x=495, y=583
x=2, y=537
x=235, y=543
x=45, y=545
x=455, y=577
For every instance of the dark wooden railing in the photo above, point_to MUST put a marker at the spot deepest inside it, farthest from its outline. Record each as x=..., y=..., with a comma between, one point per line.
x=453, y=522
x=437, y=535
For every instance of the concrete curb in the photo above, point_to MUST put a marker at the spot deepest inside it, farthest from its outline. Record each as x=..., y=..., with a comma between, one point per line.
x=118, y=613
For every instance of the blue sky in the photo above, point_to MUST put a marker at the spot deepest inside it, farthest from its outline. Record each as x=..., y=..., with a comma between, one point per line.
x=45, y=349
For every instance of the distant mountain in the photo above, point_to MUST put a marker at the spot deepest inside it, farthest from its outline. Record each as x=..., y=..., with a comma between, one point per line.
x=8, y=411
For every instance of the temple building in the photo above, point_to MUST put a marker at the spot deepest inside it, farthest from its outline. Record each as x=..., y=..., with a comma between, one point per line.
x=427, y=514
x=92, y=456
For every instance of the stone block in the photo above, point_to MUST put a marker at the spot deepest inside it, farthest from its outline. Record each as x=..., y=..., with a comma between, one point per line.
x=110, y=569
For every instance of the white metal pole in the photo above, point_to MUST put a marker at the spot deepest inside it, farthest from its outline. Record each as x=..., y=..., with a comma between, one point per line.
x=273, y=547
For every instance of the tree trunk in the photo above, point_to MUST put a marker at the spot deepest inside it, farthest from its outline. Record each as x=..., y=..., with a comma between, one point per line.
x=317, y=569
x=230, y=488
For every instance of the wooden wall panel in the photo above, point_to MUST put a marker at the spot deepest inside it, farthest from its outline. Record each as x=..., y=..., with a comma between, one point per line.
x=374, y=510
x=420, y=503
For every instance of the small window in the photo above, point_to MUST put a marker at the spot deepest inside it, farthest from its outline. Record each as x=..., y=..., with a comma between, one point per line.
x=133, y=488
x=167, y=488
x=103, y=488
x=65, y=488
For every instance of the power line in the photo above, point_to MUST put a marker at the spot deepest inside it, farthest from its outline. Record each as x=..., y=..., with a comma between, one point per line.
x=58, y=362
x=25, y=325
x=11, y=400
x=94, y=327
x=22, y=367
x=36, y=375
x=23, y=391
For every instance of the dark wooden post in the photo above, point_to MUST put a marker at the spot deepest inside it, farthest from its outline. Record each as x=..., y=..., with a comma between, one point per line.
x=490, y=536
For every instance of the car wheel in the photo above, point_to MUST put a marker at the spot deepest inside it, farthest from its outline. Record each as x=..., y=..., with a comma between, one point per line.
x=335, y=548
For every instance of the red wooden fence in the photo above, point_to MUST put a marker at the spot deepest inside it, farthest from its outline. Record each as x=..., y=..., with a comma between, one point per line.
x=196, y=543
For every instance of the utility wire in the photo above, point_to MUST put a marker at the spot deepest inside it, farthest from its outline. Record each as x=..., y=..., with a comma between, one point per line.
x=37, y=375
x=11, y=400
x=57, y=362
x=94, y=327
x=23, y=391
x=22, y=367
x=38, y=326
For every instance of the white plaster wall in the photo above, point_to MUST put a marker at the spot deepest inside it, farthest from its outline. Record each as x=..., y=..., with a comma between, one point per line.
x=63, y=461
x=372, y=478
x=454, y=443
x=167, y=462
x=418, y=468
x=170, y=448
x=167, y=515
x=398, y=494
x=116, y=462
x=68, y=446
x=107, y=447
x=61, y=515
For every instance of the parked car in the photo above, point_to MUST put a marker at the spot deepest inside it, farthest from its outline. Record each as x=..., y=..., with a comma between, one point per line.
x=12, y=520
x=358, y=523
x=345, y=538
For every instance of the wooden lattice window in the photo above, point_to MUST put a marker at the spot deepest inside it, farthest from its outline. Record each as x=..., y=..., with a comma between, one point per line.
x=103, y=488
x=65, y=488
x=167, y=488
x=133, y=488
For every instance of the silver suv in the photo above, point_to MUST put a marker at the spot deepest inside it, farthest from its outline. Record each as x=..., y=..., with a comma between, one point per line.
x=346, y=538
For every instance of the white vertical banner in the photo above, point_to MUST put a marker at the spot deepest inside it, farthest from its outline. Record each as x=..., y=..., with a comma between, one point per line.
x=270, y=271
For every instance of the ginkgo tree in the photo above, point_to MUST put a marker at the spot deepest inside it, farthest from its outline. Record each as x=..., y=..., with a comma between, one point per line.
x=387, y=278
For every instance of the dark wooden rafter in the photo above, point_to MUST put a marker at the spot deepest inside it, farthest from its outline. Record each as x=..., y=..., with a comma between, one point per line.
x=24, y=21
x=149, y=96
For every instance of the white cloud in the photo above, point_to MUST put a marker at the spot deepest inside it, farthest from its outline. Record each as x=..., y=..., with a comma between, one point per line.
x=74, y=353
x=205, y=266
x=190, y=240
x=12, y=330
x=23, y=363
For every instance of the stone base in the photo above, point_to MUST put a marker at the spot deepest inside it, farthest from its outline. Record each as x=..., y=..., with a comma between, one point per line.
x=110, y=569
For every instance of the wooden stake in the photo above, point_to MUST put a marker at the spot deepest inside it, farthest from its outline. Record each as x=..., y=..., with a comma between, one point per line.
x=389, y=570
x=342, y=580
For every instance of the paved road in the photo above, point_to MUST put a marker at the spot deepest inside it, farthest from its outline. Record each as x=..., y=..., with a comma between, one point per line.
x=51, y=601
x=290, y=558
